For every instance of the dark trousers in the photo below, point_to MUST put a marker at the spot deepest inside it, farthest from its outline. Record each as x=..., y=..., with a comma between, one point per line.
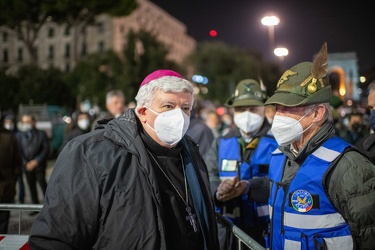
x=21, y=189
x=4, y=221
x=4, y=217
x=36, y=175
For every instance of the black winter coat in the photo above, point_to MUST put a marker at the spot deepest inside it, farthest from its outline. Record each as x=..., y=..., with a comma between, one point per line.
x=35, y=147
x=103, y=193
x=10, y=165
x=367, y=146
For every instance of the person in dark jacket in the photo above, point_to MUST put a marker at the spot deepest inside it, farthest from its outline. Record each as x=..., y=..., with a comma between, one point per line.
x=115, y=105
x=81, y=126
x=34, y=146
x=10, y=125
x=322, y=189
x=135, y=182
x=367, y=144
x=356, y=130
x=237, y=162
x=199, y=131
x=10, y=169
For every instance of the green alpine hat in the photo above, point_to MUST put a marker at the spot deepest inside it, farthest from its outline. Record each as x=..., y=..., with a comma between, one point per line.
x=304, y=84
x=248, y=93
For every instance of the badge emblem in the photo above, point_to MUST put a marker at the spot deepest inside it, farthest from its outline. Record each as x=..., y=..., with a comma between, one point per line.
x=302, y=201
x=285, y=77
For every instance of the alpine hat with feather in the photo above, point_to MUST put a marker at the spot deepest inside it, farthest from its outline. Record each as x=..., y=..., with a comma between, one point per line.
x=304, y=84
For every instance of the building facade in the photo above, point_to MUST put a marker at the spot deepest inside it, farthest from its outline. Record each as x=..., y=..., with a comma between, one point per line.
x=343, y=67
x=62, y=46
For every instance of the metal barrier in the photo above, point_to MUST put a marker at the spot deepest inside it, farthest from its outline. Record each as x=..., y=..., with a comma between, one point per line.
x=241, y=236
x=20, y=208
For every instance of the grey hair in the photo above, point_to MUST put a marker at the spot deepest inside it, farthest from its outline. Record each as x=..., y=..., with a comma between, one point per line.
x=167, y=84
x=328, y=114
x=115, y=92
x=371, y=87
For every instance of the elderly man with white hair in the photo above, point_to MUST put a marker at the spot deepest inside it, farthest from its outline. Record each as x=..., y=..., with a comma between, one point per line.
x=322, y=189
x=135, y=182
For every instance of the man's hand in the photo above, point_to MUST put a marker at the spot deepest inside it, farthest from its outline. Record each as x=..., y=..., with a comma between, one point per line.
x=229, y=189
x=31, y=165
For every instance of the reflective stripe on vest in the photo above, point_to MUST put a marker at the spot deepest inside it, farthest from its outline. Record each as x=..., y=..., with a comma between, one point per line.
x=302, y=214
x=230, y=164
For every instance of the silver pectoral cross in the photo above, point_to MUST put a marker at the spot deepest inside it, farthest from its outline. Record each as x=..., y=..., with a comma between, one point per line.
x=191, y=217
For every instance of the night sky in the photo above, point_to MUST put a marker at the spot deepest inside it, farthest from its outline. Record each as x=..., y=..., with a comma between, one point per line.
x=346, y=26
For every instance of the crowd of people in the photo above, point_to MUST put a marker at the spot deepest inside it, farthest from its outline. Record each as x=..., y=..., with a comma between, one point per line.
x=154, y=176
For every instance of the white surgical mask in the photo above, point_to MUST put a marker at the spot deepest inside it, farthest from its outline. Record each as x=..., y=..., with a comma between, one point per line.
x=9, y=126
x=170, y=126
x=287, y=130
x=83, y=124
x=227, y=122
x=248, y=122
x=26, y=127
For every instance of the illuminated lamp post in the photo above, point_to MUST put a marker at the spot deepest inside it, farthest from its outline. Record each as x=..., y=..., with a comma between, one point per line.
x=271, y=22
x=281, y=53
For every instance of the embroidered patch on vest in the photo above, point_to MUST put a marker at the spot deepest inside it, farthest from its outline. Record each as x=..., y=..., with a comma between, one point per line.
x=302, y=201
x=229, y=165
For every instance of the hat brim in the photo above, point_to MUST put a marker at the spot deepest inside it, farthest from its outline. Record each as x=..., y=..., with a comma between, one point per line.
x=246, y=102
x=286, y=99
x=290, y=99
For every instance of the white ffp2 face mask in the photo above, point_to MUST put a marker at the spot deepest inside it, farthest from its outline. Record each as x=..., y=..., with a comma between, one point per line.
x=287, y=130
x=25, y=127
x=83, y=124
x=170, y=126
x=248, y=122
x=9, y=126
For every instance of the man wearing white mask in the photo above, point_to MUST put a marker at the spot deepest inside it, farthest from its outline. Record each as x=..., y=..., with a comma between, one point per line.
x=35, y=148
x=135, y=182
x=81, y=126
x=9, y=123
x=237, y=160
x=322, y=189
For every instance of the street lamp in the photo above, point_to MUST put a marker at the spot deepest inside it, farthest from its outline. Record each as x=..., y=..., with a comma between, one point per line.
x=271, y=21
x=281, y=52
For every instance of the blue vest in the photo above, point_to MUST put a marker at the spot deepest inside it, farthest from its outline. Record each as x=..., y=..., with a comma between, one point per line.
x=230, y=164
x=302, y=216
